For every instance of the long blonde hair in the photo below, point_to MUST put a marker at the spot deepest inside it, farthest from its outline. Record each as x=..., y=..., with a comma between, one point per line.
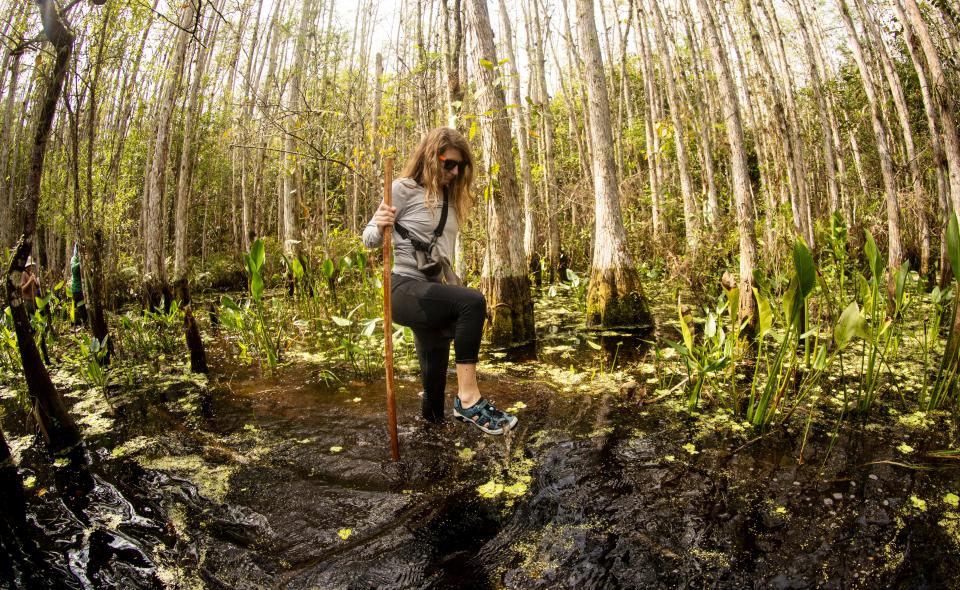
x=423, y=167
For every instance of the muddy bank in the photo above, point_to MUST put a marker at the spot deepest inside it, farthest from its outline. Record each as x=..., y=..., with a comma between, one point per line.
x=283, y=481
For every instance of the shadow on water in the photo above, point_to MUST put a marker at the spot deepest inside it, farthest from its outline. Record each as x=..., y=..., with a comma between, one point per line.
x=283, y=481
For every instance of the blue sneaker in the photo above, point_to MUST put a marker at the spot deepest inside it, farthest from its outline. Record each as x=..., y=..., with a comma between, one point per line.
x=484, y=416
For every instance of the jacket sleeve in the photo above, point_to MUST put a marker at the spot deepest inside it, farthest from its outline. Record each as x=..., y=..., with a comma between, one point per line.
x=372, y=236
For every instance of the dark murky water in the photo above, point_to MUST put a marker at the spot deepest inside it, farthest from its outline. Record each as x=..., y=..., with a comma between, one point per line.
x=284, y=481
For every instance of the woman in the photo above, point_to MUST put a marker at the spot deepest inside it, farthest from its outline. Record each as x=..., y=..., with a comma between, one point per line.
x=440, y=170
x=29, y=287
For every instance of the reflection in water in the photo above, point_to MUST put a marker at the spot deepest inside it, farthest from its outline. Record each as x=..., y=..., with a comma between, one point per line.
x=284, y=481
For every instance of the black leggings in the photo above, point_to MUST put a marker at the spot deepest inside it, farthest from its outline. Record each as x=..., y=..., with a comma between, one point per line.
x=438, y=313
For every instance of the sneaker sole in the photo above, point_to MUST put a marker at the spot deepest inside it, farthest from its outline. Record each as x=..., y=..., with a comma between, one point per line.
x=498, y=431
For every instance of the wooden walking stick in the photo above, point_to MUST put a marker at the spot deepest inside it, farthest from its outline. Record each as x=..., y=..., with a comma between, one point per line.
x=388, y=316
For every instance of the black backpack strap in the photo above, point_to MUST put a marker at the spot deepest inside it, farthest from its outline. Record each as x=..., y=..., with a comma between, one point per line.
x=420, y=244
x=405, y=234
x=443, y=215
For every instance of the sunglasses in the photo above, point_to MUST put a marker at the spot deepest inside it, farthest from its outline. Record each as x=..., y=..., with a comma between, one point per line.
x=451, y=164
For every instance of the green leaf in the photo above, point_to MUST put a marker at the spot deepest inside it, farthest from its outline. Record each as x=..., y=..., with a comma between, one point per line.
x=901, y=281
x=256, y=285
x=473, y=129
x=258, y=253
x=342, y=322
x=710, y=327
x=936, y=295
x=328, y=268
x=873, y=256
x=297, y=269
x=733, y=304
x=820, y=360
x=369, y=327
x=953, y=245
x=851, y=324
x=684, y=328
x=717, y=365
x=229, y=303
x=806, y=271
x=764, y=314
x=593, y=345
x=487, y=64
x=792, y=302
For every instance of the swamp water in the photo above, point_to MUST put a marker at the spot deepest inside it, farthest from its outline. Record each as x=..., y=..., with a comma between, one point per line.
x=284, y=481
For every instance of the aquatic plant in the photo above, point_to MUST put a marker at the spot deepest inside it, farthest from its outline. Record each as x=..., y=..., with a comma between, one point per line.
x=780, y=368
x=359, y=341
x=945, y=384
x=878, y=327
x=704, y=357
x=92, y=358
x=928, y=338
x=9, y=353
x=250, y=319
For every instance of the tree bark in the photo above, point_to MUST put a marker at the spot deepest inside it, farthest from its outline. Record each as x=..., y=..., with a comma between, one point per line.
x=198, y=354
x=292, y=234
x=56, y=424
x=155, y=272
x=187, y=155
x=7, y=199
x=784, y=133
x=548, y=153
x=894, y=247
x=944, y=99
x=903, y=116
x=941, y=171
x=829, y=157
x=691, y=209
x=615, y=295
x=948, y=123
x=522, y=133
x=705, y=123
x=505, y=281
x=738, y=165
x=652, y=147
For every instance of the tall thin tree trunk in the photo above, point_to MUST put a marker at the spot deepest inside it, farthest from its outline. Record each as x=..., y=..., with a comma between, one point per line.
x=155, y=272
x=540, y=25
x=796, y=160
x=705, y=124
x=829, y=158
x=738, y=165
x=523, y=149
x=92, y=238
x=615, y=295
x=55, y=422
x=944, y=98
x=894, y=247
x=505, y=281
x=7, y=200
x=198, y=354
x=187, y=155
x=292, y=234
x=941, y=172
x=691, y=210
x=903, y=115
x=652, y=147
x=784, y=133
